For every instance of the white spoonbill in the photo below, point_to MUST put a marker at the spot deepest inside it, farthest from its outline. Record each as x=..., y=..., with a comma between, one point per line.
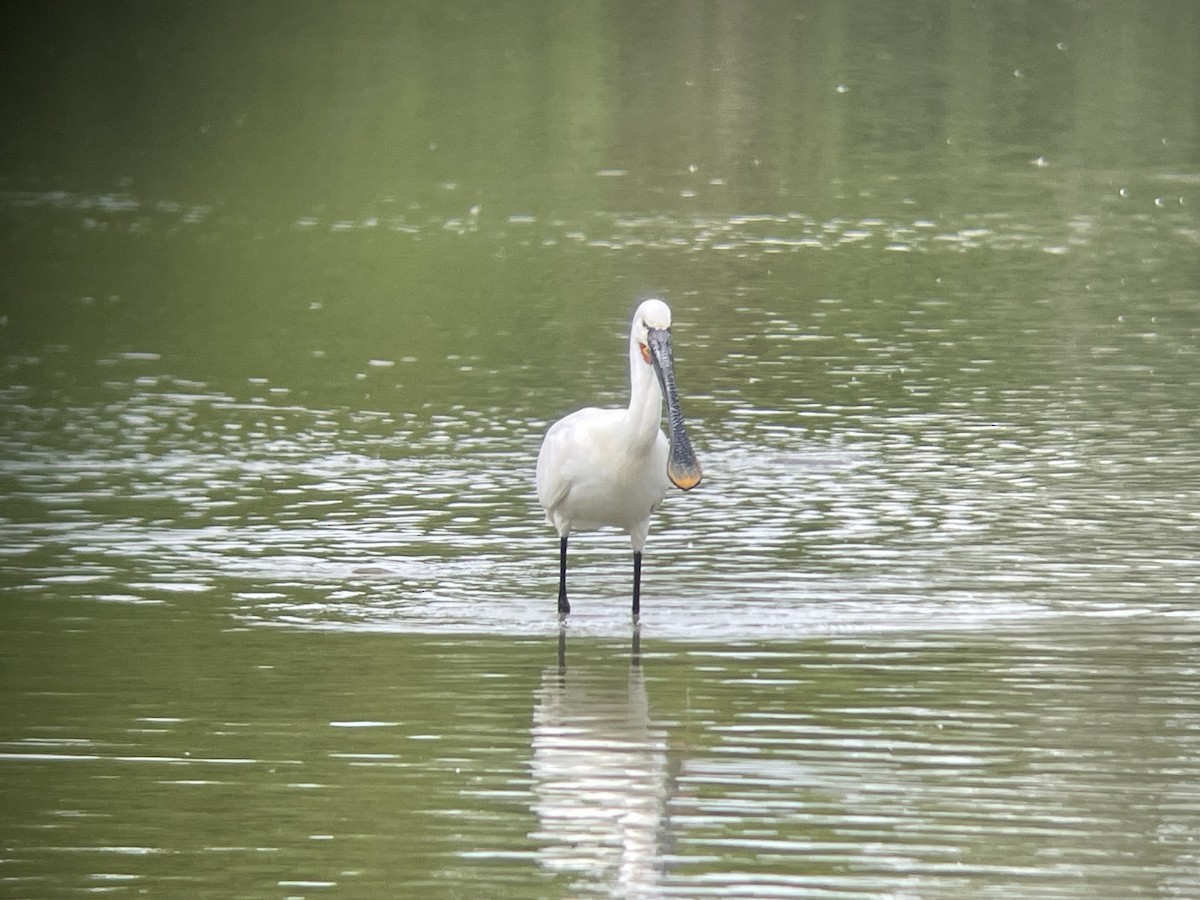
x=613, y=466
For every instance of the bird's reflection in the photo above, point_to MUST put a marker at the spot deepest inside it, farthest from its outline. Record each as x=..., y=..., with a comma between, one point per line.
x=601, y=775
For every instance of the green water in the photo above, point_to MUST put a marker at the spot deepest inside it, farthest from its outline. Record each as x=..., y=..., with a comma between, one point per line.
x=289, y=295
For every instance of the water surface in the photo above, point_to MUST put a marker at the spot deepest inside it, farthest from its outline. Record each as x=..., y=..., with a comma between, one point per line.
x=289, y=299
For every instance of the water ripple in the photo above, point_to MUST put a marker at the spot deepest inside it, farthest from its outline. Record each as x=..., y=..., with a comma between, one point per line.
x=322, y=522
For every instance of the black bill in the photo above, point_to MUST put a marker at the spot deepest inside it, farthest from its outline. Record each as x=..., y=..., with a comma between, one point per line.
x=682, y=467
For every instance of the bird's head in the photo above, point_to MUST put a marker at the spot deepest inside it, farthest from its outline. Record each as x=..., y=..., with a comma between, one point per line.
x=652, y=333
x=653, y=318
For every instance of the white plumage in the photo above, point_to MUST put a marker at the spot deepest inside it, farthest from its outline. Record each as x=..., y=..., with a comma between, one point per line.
x=602, y=467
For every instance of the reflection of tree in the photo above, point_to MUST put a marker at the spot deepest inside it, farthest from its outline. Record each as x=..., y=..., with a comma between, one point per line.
x=600, y=778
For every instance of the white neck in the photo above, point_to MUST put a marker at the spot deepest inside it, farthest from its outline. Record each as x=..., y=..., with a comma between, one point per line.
x=645, y=397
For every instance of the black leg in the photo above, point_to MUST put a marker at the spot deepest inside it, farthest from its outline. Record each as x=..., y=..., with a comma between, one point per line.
x=637, y=582
x=563, y=606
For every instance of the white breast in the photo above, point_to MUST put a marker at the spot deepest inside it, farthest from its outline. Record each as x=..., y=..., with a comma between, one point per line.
x=590, y=473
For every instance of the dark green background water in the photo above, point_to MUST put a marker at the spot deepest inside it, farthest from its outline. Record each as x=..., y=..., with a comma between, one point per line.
x=289, y=294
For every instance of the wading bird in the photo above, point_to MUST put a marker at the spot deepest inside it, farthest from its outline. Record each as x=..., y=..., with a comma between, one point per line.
x=613, y=466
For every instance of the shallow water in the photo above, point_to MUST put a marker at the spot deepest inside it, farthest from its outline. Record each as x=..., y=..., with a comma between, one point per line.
x=1043, y=761
x=278, y=602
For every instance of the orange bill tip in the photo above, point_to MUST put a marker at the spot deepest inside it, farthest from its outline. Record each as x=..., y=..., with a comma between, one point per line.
x=686, y=480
